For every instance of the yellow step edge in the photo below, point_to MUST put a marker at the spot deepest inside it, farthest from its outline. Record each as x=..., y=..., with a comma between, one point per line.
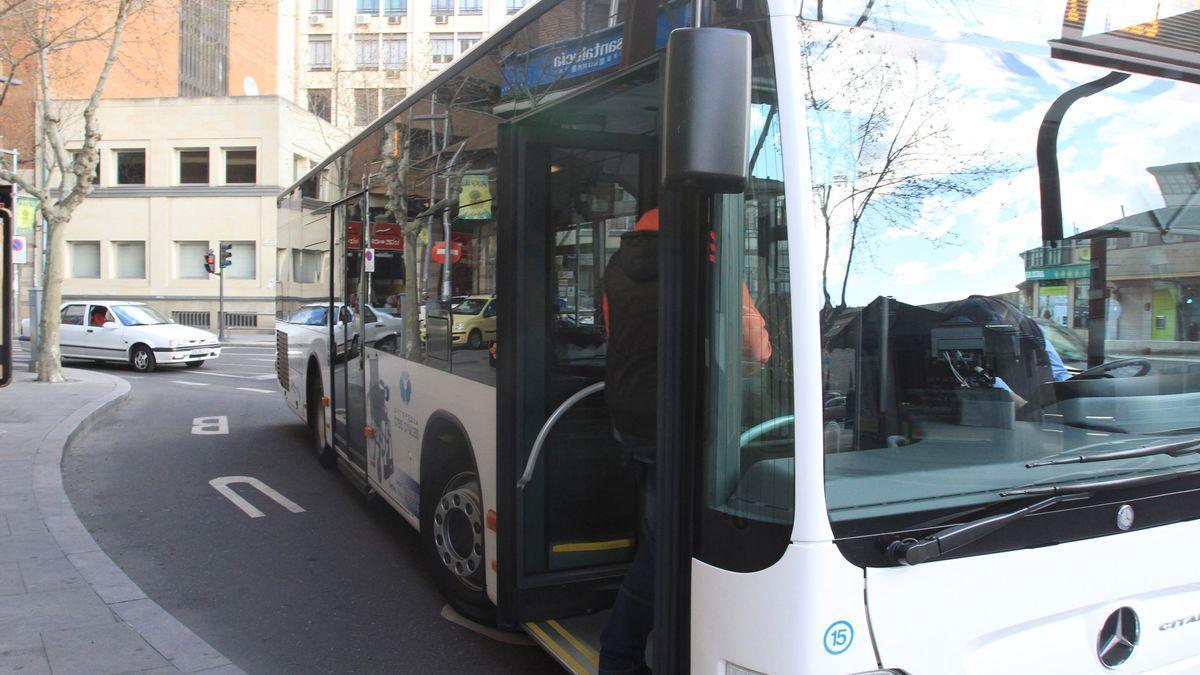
x=578, y=644
x=591, y=546
x=565, y=658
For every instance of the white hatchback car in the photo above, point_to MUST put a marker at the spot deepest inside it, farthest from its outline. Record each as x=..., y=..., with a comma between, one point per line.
x=132, y=332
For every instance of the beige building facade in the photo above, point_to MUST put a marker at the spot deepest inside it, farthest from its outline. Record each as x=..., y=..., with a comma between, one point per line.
x=356, y=58
x=179, y=176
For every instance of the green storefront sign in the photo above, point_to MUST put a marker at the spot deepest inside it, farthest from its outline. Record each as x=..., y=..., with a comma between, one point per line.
x=1060, y=272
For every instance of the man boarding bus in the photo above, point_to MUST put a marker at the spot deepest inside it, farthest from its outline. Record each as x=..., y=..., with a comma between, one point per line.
x=867, y=499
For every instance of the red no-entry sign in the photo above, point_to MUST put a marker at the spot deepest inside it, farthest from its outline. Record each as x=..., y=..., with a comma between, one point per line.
x=439, y=252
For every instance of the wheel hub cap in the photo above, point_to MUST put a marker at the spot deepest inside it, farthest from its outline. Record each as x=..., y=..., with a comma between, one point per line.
x=458, y=533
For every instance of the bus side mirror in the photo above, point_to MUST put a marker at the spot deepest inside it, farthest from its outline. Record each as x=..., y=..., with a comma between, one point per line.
x=706, y=110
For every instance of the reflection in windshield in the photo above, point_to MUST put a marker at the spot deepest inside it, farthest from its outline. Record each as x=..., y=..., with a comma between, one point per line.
x=139, y=315
x=958, y=345
x=309, y=316
x=470, y=306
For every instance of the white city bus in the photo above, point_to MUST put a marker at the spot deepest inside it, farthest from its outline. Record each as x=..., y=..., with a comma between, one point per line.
x=972, y=233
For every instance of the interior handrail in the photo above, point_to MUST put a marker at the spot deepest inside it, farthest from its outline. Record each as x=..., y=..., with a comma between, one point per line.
x=540, y=441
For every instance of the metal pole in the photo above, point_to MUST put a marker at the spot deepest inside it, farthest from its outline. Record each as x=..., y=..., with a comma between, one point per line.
x=221, y=304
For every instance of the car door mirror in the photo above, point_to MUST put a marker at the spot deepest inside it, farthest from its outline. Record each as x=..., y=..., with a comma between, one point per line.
x=109, y=325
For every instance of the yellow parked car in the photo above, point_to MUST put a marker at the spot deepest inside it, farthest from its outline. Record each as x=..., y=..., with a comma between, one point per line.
x=474, y=321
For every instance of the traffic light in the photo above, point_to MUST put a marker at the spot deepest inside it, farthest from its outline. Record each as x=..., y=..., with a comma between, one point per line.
x=210, y=262
x=226, y=254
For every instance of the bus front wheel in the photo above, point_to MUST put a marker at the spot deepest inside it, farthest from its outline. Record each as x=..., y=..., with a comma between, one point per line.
x=316, y=426
x=452, y=523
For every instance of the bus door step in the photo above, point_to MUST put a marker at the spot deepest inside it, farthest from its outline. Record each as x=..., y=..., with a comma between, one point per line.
x=574, y=641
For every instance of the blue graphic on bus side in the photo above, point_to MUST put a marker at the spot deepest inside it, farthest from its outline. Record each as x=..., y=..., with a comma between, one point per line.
x=838, y=637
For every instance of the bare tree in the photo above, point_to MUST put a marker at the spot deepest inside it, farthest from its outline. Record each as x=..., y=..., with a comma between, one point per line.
x=883, y=147
x=43, y=33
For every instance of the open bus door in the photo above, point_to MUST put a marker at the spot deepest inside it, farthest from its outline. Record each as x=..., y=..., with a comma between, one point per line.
x=349, y=230
x=6, y=298
x=569, y=499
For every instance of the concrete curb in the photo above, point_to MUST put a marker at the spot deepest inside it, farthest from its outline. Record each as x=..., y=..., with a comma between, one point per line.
x=177, y=643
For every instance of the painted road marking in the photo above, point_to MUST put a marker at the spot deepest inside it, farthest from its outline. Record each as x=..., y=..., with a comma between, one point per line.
x=210, y=426
x=222, y=485
x=260, y=391
x=190, y=384
x=239, y=377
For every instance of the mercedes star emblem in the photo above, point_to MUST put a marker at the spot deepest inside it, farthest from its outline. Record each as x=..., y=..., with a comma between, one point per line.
x=1125, y=517
x=1118, y=637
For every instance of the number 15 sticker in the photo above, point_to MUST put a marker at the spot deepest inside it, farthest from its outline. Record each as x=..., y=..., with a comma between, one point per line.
x=838, y=637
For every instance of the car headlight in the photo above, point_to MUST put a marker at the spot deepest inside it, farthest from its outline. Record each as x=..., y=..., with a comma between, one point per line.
x=175, y=343
x=458, y=325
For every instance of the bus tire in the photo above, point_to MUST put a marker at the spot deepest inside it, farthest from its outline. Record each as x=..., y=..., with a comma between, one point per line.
x=316, y=423
x=452, y=523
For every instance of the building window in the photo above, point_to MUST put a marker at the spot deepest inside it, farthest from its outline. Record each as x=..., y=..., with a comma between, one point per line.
x=367, y=7
x=95, y=174
x=307, y=265
x=190, y=259
x=441, y=49
x=241, y=260
x=241, y=166
x=514, y=6
x=322, y=7
x=366, y=52
x=204, y=48
x=441, y=7
x=131, y=167
x=366, y=106
x=395, y=52
x=320, y=103
x=393, y=95
x=395, y=7
x=85, y=259
x=311, y=188
x=468, y=40
x=193, y=167
x=470, y=6
x=320, y=52
x=130, y=259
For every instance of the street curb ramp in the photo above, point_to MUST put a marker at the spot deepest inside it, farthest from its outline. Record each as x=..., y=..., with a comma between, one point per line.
x=181, y=647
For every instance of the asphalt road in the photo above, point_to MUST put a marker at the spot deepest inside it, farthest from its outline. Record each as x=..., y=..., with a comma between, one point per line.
x=339, y=587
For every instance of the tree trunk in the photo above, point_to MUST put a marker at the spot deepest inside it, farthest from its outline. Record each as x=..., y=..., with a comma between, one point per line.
x=411, y=310
x=49, y=354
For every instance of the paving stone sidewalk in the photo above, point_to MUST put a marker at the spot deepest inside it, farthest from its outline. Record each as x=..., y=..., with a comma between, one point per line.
x=65, y=607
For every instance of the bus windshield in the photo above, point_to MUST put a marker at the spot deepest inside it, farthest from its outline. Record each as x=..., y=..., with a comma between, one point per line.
x=961, y=343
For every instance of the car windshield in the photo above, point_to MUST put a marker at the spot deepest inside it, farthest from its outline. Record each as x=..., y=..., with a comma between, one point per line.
x=309, y=316
x=470, y=306
x=957, y=288
x=139, y=315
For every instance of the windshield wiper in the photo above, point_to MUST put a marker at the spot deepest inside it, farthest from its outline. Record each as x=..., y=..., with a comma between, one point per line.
x=1173, y=448
x=915, y=551
x=1098, y=485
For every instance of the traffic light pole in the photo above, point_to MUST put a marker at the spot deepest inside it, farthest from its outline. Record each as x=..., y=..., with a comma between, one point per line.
x=221, y=307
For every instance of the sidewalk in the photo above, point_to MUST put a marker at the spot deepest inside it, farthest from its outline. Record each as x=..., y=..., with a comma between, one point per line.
x=236, y=339
x=65, y=607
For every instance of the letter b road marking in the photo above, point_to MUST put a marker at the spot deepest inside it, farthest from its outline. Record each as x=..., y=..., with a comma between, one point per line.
x=207, y=426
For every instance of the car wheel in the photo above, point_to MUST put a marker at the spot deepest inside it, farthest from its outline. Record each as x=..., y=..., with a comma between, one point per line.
x=387, y=344
x=475, y=340
x=452, y=522
x=142, y=359
x=194, y=364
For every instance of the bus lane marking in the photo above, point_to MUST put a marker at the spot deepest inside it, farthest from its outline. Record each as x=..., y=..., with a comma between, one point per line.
x=259, y=391
x=222, y=484
x=190, y=384
x=209, y=426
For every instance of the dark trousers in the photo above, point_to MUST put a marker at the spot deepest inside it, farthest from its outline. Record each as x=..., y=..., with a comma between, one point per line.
x=623, y=642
